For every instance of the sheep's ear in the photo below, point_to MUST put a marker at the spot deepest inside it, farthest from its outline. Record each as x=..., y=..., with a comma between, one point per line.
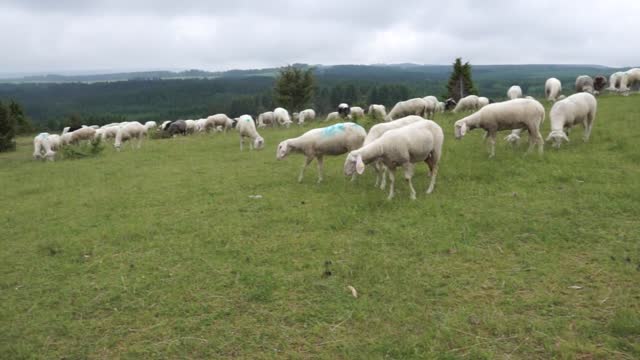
x=564, y=136
x=359, y=165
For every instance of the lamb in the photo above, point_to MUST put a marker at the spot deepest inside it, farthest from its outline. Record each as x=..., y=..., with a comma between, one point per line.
x=615, y=80
x=507, y=115
x=467, y=103
x=281, y=117
x=378, y=112
x=130, y=131
x=191, y=126
x=356, y=112
x=404, y=146
x=576, y=109
x=584, y=83
x=336, y=139
x=333, y=116
x=178, y=127
x=514, y=92
x=415, y=106
x=219, y=120
x=482, y=102
x=42, y=147
x=266, y=118
x=247, y=129
x=376, y=131
x=344, y=110
x=306, y=115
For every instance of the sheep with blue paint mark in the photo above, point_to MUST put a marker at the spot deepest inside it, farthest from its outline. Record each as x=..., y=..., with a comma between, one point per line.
x=332, y=140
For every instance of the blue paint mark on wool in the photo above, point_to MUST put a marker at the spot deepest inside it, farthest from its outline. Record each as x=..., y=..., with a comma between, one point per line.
x=333, y=130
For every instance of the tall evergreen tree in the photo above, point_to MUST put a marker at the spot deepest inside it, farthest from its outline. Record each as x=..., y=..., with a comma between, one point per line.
x=460, y=82
x=294, y=88
x=7, y=129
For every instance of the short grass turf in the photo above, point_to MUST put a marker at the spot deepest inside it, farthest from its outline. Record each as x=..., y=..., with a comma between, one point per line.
x=161, y=252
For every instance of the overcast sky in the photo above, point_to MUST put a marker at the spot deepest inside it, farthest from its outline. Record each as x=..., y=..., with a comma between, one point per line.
x=119, y=35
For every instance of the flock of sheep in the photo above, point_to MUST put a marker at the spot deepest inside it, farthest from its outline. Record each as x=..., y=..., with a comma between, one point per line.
x=404, y=139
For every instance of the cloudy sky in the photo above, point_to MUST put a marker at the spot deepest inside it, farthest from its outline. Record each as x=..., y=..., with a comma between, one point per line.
x=119, y=35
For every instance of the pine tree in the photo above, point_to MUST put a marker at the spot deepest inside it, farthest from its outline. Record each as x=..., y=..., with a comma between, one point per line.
x=294, y=88
x=460, y=83
x=7, y=129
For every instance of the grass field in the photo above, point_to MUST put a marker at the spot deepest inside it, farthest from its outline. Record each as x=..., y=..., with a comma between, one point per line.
x=160, y=252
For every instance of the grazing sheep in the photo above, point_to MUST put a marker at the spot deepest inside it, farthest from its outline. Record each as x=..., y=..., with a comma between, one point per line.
x=432, y=104
x=344, y=110
x=333, y=116
x=450, y=104
x=178, y=127
x=404, y=146
x=107, y=132
x=191, y=126
x=356, y=112
x=247, y=129
x=377, y=112
x=584, y=83
x=376, y=131
x=599, y=83
x=216, y=120
x=615, y=80
x=266, y=118
x=165, y=125
x=316, y=143
x=201, y=125
x=415, y=106
x=552, y=89
x=630, y=79
x=281, y=117
x=85, y=133
x=467, y=103
x=306, y=115
x=514, y=92
x=482, y=102
x=150, y=125
x=576, y=109
x=42, y=147
x=130, y=131
x=508, y=115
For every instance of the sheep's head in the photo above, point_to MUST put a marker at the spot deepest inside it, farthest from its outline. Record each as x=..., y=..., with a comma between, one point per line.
x=557, y=136
x=283, y=150
x=353, y=164
x=460, y=129
x=258, y=143
x=512, y=139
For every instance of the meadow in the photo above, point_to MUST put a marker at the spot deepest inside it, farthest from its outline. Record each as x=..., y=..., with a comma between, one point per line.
x=162, y=253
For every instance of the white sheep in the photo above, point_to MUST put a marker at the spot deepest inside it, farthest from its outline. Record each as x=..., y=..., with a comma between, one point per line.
x=629, y=79
x=336, y=139
x=467, y=103
x=42, y=148
x=376, y=131
x=417, y=106
x=128, y=132
x=482, y=102
x=508, y=115
x=107, y=132
x=306, y=115
x=216, y=120
x=150, y=125
x=514, y=92
x=404, y=146
x=201, y=125
x=356, y=112
x=552, y=89
x=333, y=116
x=247, y=129
x=584, y=83
x=576, y=109
x=281, y=117
x=85, y=133
x=191, y=126
x=377, y=112
x=266, y=118
x=432, y=104
x=615, y=81
x=441, y=107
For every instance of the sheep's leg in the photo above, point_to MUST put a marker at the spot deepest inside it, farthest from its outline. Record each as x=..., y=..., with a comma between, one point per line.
x=491, y=139
x=408, y=175
x=320, y=161
x=535, y=138
x=588, y=124
x=376, y=166
x=241, y=142
x=307, y=161
x=433, y=166
x=392, y=182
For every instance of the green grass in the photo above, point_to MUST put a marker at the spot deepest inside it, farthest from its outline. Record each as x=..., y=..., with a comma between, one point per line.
x=160, y=252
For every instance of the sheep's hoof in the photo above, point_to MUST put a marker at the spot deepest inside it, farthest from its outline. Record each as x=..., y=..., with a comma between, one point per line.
x=413, y=197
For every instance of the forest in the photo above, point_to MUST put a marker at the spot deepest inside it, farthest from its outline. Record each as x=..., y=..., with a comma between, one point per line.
x=52, y=101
